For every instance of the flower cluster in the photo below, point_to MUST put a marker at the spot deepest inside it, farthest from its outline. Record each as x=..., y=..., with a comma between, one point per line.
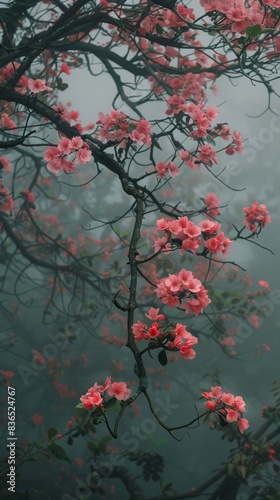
x=37, y=86
x=167, y=168
x=257, y=216
x=57, y=156
x=186, y=234
x=239, y=15
x=228, y=406
x=212, y=203
x=116, y=126
x=174, y=338
x=93, y=396
x=184, y=289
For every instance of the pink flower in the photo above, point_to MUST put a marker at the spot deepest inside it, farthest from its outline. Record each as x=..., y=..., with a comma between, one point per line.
x=154, y=315
x=207, y=155
x=161, y=168
x=38, y=85
x=212, y=202
x=243, y=424
x=227, y=398
x=65, y=146
x=76, y=143
x=257, y=216
x=173, y=169
x=107, y=383
x=119, y=390
x=54, y=165
x=91, y=398
x=255, y=321
x=153, y=332
x=187, y=352
x=210, y=405
x=239, y=404
x=29, y=196
x=64, y=68
x=232, y=415
x=51, y=153
x=263, y=283
x=6, y=165
x=83, y=156
x=216, y=391
x=138, y=330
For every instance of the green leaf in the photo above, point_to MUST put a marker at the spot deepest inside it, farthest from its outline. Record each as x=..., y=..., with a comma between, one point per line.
x=63, y=87
x=156, y=144
x=59, y=452
x=210, y=140
x=110, y=403
x=162, y=358
x=52, y=432
x=252, y=31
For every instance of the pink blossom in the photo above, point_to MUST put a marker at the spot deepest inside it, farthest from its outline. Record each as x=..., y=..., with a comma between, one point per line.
x=138, y=330
x=154, y=315
x=76, y=143
x=239, y=404
x=216, y=391
x=173, y=169
x=207, y=155
x=184, y=155
x=105, y=386
x=65, y=146
x=263, y=283
x=232, y=415
x=38, y=85
x=64, y=68
x=187, y=353
x=161, y=168
x=243, y=424
x=51, y=153
x=227, y=398
x=6, y=165
x=54, y=165
x=29, y=196
x=154, y=332
x=257, y=216
x=212, y=202
x=210, y=405
x=255, y=321
x=83, y=156
x=119, y=390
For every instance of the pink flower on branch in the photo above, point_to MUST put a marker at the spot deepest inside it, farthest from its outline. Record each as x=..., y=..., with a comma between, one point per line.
x=257, y=216
x=95, y=397
x=185, y=233
x=119, y=391
x=168, y=336
x=38, y=85
x=183, y=288
x=227, y=405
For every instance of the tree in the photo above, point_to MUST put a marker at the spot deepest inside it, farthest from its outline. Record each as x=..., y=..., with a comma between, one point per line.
x=158, y=252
